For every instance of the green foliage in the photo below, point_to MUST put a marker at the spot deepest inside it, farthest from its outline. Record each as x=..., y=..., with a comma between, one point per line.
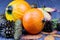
x=54, y=21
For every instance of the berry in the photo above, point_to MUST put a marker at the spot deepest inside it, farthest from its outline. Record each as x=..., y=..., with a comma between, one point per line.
x=58, y=27
x=48, y=26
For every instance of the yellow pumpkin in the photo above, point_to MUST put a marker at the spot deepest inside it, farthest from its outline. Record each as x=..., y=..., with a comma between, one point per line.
x=15, y=10
x=32, y=21
x=18, y=0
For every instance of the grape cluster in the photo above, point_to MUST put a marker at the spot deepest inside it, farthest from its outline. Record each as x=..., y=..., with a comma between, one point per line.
x=1, y=28
x=48, y=26
x=58, y=27
x=7, y=29
x=2, y=22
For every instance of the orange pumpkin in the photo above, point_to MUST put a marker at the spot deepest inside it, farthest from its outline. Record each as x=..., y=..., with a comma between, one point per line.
x=32, y=21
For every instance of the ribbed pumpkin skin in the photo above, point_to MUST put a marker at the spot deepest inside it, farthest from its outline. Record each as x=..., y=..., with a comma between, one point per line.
x=19, y=7
x=32, y=21
x=19, y=0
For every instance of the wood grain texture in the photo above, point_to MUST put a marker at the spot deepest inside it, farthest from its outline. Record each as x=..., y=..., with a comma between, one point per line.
x=31, y=37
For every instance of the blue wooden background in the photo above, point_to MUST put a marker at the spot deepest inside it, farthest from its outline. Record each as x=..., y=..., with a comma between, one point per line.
x=48, y=3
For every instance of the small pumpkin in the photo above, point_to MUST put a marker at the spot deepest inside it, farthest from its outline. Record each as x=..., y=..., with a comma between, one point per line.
x=15, y=10
x=18, y=0
x=32, y=21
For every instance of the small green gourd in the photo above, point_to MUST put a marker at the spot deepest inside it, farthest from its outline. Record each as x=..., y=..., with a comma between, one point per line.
x=18, y=30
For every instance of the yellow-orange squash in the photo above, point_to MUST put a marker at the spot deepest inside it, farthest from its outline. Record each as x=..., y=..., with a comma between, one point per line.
x=17, y=10
x=32, y=21
x=18, y=0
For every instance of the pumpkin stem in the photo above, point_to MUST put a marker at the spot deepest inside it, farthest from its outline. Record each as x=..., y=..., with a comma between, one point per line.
x=34, y=5
x=44, y=20
x=43, y=7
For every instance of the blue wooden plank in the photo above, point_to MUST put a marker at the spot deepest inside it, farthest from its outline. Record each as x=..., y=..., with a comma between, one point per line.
x=3, y=4
x=48, y=3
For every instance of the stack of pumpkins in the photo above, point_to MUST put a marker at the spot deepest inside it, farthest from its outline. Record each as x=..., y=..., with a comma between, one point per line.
x=32, y=18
